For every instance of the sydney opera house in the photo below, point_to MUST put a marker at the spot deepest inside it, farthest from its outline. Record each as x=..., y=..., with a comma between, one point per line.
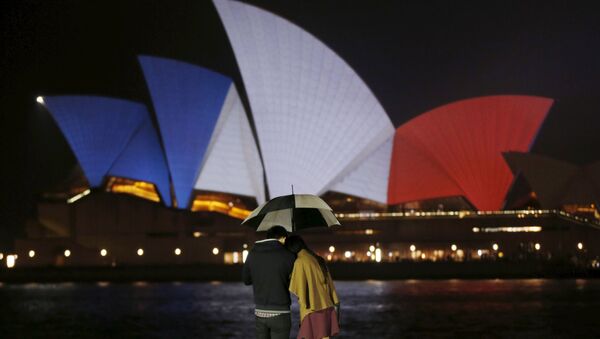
x=170, y=183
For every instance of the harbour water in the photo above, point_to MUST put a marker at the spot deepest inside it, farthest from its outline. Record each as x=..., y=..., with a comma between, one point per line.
x=531, y=308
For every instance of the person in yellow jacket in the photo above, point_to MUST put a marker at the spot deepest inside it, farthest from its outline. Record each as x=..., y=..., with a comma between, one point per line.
x=311, y=282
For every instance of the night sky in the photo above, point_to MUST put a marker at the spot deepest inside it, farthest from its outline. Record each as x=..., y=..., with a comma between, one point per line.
x=414, y=55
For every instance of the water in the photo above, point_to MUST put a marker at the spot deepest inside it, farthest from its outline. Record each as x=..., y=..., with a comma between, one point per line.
x=533, y=308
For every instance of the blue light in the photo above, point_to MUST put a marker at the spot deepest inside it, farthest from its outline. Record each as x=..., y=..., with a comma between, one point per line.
x=143, y=159
x=187, y=100
x=97, y=129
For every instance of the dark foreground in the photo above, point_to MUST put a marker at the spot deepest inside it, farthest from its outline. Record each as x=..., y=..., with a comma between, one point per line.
x=534, y=308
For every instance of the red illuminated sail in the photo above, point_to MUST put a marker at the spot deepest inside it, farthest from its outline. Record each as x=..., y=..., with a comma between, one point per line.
x=456, y=149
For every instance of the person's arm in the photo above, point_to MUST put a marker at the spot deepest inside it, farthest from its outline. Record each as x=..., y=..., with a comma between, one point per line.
x=246, y=273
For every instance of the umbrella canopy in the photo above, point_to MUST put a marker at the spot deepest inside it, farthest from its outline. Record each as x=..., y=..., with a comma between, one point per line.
x=294, y=212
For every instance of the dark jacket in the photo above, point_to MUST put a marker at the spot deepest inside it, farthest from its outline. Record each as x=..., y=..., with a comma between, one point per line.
x=268, y=268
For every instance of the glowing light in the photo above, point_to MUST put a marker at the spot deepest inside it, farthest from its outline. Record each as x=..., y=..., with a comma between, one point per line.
x=423, y=256
x=371, y=248
x=495, y=247
x=1, y=256
x=178, y=251
x=40, y=100
x=236, y=257
x=329, y=257
x=103, y=252
x=331, y=249
x=197, y=234
x=378, y=255
x=508, y=229
x=580, y=246
x=413, y=248
x=78, y=196
x=372, y=256
x=479, y=252
x=368, y=231
x=244, y=255
x=390, y=254
x=31, y=253
x=368, y=253
x=245, y=246
x=11, y=260
x=500, y=254
x=537, y=246
x=67, y=253
x=215, y=251
x=140, y=251
x=347, y=254
x=453, y=248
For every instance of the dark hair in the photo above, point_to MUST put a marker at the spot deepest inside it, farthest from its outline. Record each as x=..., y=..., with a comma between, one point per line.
x=295, y=244
x=276, y=232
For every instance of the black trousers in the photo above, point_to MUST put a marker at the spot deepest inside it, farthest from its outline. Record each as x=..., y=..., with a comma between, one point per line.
x=277, y=327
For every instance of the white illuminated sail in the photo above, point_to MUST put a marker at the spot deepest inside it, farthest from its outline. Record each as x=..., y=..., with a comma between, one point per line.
x=315, y=118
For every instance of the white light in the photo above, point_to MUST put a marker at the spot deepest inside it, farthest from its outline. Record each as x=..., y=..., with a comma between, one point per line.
x=178, y=251
x=11, y=260
x=329, y=257
x=78, y=196
x=233, y=163
x=580, y=246
x=356, y=123
x=453, y=248
x=31, y=253
x=390, y=254
x=368, y=231
x=331, y=249
x=413, y=248
x=378, y=255
x=140, y=252
x=1, y=256
x=479, y=252
x=347, y=254
x=67, y=253
x=197, y=234
x=368, y=253
x=215, y=251
x=537, y=246
x=495, y=247
x=371, y=248
x=103, y=252
x=245, y=246
x=40, y=100
x=236, y=257
x=244, y=255
x=423, y=256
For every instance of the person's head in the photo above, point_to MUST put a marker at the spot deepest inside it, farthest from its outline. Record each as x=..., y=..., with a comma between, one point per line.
x=277, y=232
x=295, y=244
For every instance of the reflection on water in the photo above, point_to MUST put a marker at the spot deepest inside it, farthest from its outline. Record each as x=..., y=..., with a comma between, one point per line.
x=370, y=309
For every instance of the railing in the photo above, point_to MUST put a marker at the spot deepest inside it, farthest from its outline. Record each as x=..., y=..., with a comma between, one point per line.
x=462, y=214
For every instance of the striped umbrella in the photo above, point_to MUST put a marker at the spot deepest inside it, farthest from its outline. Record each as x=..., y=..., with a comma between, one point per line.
x=294, y=212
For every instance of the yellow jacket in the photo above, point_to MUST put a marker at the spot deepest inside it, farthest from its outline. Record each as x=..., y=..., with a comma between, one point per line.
x=309, y=285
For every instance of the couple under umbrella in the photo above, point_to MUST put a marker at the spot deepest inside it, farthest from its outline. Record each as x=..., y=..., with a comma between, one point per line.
x=282, y=263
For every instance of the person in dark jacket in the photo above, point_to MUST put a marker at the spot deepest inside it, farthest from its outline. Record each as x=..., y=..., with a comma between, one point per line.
x=268, y=268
